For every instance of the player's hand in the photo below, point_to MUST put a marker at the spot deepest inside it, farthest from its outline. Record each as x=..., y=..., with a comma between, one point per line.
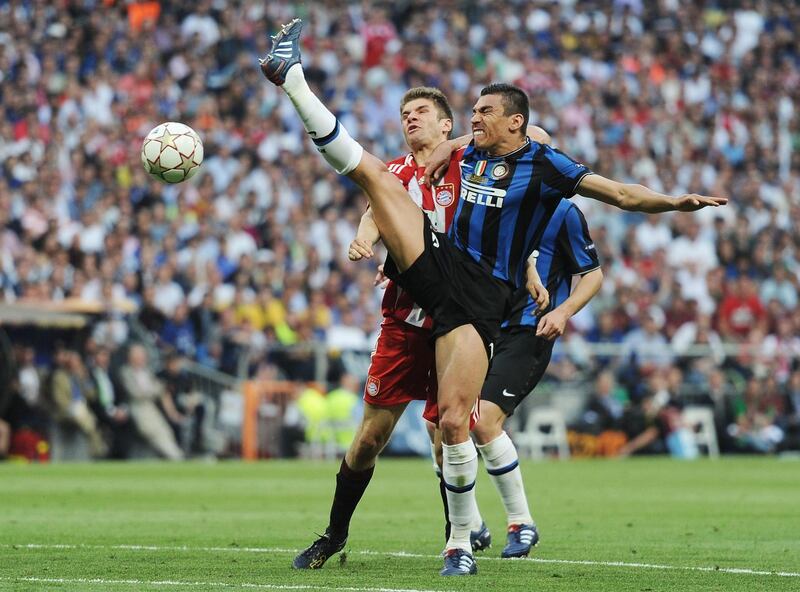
x=552, y=325
x=380, y=279
x=692, y=202
x=359, y=249
x=437, y=165
x=536, y=289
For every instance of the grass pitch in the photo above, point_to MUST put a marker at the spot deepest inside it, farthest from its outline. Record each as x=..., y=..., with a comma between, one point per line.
x=640, y=525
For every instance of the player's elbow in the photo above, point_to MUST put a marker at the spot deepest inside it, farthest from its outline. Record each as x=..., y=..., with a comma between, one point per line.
x=600, y=277
x=625, y=198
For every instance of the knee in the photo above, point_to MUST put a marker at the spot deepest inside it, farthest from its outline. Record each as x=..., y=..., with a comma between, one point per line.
x=371, y=169
x=365, y=449
x=490, y=423
x=486, y=431
x=452, y=420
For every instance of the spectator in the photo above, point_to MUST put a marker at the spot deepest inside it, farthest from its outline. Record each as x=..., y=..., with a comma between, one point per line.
x=178, y=331
x=741, y=311
x=780, y=287
x=341, y=404
x=755, y=429
x=655, y=424
x=646, y=346
x=603, y=411
x=72, y=394
x=109, y=407
x=145, y=391
x=182, y=405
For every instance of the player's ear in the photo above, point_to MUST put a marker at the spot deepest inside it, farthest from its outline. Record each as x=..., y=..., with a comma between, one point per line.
x=515, y=123
x=446, y=125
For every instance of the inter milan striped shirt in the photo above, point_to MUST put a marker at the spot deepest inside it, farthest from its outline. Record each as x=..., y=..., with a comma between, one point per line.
x=506, y=203
x=564, y=250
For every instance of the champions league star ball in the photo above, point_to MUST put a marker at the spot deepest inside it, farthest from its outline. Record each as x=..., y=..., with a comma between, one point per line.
x=172, y=152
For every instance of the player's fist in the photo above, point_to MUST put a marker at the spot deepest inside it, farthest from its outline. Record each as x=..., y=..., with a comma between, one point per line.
x=552, y=325
x=692, y=202
x=536, y=289
x=380, y=279
x=437, y=163
x=359, y=249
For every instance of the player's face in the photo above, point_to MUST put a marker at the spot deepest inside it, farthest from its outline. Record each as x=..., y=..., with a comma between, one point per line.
x=491, y=127
x=422, y=125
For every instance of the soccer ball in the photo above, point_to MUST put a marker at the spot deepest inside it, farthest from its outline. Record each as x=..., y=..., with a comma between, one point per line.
x=172, y=152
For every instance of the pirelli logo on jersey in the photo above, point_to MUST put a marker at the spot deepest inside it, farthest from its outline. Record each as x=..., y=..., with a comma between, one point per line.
x=482, y=195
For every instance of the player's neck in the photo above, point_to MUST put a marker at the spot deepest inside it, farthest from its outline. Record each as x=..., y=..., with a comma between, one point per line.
x=508, y=146
x=423, y=153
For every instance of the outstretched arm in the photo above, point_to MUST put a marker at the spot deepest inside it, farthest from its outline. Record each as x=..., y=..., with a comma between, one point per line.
x=440, y=157
x=553, y=324
x=366, y=236
x=638, y=198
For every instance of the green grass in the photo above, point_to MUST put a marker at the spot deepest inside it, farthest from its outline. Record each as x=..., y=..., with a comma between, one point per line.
x=737, y=513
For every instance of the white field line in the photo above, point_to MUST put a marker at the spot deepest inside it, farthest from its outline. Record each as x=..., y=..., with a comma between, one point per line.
x=204, y=585
x=621, y=564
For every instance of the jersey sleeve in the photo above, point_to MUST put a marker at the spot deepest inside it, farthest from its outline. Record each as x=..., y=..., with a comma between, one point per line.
x=562, y=173
x=576, y=243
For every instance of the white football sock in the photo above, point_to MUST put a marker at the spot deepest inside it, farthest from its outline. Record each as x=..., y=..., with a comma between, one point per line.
x=341, y=151
x=502, y=464
x=477, y=520
x=460, y=468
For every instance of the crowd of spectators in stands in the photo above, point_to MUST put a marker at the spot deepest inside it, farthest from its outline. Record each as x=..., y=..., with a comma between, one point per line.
x=249, y=258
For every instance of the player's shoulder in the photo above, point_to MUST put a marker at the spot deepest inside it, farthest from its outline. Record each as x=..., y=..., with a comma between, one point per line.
x=405, y=159
x=404, y=168
x=573, y=212
x=468, y=151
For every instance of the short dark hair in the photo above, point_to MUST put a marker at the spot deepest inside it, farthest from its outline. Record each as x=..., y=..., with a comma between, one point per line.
x=515, y=101
x=434, y=95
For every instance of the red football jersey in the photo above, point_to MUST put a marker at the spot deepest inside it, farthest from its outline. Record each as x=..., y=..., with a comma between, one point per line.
x=439, y=204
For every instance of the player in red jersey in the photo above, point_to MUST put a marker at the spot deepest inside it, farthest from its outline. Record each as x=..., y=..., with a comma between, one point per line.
x=403, y=363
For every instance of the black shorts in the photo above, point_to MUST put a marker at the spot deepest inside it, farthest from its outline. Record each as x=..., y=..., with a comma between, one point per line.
x=520, y=359
x=453, y=289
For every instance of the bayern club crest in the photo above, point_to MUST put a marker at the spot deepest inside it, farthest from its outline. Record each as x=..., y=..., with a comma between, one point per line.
x=373, y=386
x=445, y=194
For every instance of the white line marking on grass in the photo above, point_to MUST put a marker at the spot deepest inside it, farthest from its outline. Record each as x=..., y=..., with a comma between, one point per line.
x=126, y=582
x=405, y=554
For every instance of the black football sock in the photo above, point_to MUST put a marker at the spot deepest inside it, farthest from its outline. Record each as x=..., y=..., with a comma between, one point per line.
x=350, y=486
x=443, y=493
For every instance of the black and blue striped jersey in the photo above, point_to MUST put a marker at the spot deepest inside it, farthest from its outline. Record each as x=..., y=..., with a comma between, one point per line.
x=565, y=249
x=506, y=203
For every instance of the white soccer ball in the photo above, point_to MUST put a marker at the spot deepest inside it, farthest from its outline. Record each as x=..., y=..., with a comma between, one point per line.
x=172, y=152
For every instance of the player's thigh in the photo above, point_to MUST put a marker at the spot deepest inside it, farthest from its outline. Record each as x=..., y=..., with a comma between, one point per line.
x=398, y=218
x=402, y=367
x=461, y=365
x=520, y=361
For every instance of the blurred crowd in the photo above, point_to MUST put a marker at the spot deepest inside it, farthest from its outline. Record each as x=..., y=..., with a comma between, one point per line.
x=249, y=258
